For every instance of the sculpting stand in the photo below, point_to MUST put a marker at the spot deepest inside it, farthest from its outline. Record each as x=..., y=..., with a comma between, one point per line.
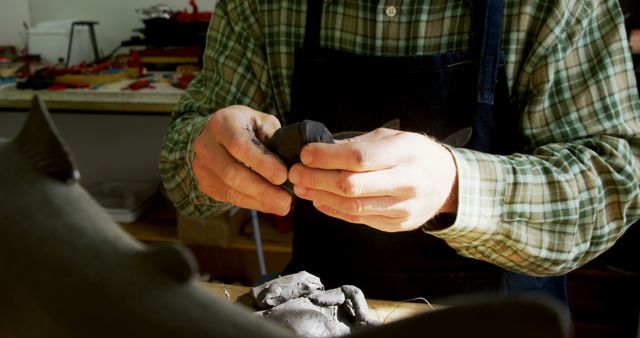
x=92, y=34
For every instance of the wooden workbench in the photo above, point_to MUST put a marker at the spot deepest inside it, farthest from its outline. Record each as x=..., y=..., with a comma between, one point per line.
x=380, y=310
x=107, y=98
x=158, y=226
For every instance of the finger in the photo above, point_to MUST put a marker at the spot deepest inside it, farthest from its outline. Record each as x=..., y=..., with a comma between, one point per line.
x=363, y=206
x=240, y=178
x=352, y=184
x=265, y=126
x=382, y=223
x=237, y=176
x=243, y=136
x=370, y=136
x=217, y=170
x=355, y=156
x=373, y=135
x=215, y=187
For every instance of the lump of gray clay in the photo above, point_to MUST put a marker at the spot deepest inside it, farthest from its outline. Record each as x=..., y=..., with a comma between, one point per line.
x=299, y=302
x=282, y=289
x=307, y=319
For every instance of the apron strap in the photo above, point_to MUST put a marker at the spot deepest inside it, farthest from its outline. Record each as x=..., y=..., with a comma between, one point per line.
x=485, y=43
x=313, y=24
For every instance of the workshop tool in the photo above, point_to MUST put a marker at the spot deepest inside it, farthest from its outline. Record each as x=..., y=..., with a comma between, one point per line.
x=63, y=86
x=138, y=84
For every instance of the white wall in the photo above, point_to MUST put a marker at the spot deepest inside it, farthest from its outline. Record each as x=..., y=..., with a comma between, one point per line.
x=117, y=17
x=12, y=14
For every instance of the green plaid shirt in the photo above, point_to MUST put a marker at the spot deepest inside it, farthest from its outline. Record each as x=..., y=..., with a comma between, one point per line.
x=548, y=211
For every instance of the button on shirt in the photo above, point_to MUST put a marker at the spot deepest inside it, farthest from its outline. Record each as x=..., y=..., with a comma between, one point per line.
x=391, y=11
x=546, y=211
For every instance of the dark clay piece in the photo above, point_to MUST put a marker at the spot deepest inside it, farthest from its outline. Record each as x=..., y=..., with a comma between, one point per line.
x=287, y=142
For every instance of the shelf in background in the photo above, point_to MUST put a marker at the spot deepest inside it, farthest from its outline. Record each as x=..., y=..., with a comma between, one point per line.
x=107, y=98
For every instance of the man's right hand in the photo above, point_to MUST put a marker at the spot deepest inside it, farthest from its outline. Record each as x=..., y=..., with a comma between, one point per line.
x=232, y=164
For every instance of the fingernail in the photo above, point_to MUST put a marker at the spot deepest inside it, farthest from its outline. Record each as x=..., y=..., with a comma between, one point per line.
x=306, y=157
x=285, y=203
x=294, y=176
x=280, y=177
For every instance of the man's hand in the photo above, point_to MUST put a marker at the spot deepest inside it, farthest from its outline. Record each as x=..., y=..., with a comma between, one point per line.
x=387, y=179
x=232, y=164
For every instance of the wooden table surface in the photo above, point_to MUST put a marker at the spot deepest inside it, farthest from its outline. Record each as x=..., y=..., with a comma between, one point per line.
x=107, y=98
x=381, y=310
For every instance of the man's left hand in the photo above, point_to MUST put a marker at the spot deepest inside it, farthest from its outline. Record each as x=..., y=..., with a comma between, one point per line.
x=387, y=179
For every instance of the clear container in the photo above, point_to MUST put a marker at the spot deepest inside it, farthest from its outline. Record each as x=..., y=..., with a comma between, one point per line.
x=124, y=200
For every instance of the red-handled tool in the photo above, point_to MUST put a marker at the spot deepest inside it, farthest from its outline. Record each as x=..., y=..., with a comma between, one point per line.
x=139, y=84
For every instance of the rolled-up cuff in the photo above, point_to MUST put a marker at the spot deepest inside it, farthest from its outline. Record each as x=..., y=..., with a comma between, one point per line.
x=481, y=187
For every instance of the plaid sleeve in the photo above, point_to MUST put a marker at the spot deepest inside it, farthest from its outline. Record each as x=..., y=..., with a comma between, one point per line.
x=575, y=191
x=234, y=72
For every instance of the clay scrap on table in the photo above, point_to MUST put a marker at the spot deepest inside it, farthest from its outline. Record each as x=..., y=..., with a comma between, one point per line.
x=299, y=302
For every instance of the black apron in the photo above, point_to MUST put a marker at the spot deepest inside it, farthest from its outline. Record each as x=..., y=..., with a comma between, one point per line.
x=435, y=94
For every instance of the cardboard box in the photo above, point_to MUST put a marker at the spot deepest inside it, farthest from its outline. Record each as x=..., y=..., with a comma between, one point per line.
x=214, y=230
x=124, y=201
